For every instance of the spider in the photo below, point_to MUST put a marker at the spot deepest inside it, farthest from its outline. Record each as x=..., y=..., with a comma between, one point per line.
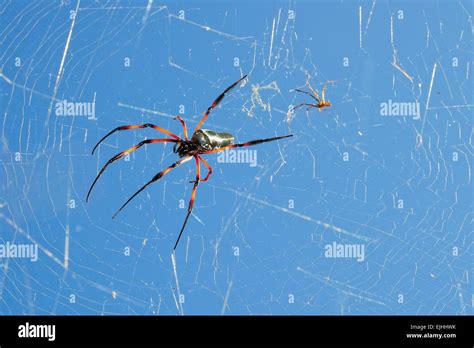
x=203, y=141
x=321, y=102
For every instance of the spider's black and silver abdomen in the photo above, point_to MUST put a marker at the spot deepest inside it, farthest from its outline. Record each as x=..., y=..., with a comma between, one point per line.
x=210, y=140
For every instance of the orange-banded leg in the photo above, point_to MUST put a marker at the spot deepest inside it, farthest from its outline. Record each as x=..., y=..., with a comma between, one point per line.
x=155, y=178
x=209, y=168
x=185, y=130
x=191, y=200
x=248, y=143
x=146, y=125
x=216, y=102
x=123, y=153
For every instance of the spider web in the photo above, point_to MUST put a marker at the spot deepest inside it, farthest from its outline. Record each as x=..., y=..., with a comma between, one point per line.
x=255, y=244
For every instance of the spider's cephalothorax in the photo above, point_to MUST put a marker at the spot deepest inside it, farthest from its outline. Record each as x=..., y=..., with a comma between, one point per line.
x=202, y=142
x=184, y=148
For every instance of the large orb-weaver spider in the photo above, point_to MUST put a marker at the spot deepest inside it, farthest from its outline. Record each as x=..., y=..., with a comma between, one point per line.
x=203, y=141
x=321, y=102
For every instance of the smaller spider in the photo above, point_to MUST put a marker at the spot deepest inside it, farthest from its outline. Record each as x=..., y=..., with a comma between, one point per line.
x=321, y=102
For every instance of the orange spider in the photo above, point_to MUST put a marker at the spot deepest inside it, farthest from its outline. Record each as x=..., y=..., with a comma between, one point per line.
x=321, y=102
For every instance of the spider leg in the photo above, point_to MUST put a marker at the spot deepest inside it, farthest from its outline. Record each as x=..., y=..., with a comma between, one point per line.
x=155, y=178
x=312, y=96
x=323, y=93
x=146, y=125
x=191, y=200
x=303, y=104
x=184, y=126
x=217, y=101
x=209, y=168
x=248, y=143
x=314, y=92
x=123, y=153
